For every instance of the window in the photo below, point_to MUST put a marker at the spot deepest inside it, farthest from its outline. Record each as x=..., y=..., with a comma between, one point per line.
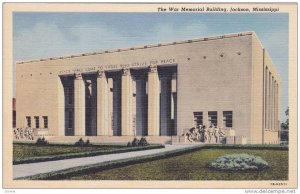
x=198, y=118
x=14, y=119
x=70, y=120
x=227, y=118
x=28, y=120
x=37, y=122
x=213, y=117
x=69, y=95
x=45, y=118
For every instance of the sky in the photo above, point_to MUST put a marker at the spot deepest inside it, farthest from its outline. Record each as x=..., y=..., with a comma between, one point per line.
x=40, y=35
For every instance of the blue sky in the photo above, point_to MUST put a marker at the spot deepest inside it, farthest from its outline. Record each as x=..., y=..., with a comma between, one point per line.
x=39, y=35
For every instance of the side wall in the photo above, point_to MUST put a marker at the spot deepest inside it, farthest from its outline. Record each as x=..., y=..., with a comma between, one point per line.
x=216, y=76
x=273, y=105
x=36, y=89
x=257, y=96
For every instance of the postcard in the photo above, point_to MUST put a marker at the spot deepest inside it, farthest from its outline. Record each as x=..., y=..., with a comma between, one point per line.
x=150, y=95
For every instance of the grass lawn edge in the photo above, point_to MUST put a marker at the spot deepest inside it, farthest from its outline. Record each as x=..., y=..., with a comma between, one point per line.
x=84, y=154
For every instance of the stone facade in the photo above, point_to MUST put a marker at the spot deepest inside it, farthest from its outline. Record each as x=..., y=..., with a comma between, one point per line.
x=156, y=91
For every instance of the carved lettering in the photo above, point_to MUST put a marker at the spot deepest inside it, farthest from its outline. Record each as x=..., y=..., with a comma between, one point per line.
x=167, y=61
x=152, y=63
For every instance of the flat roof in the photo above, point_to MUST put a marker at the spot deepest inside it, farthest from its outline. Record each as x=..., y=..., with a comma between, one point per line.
x=142, y=47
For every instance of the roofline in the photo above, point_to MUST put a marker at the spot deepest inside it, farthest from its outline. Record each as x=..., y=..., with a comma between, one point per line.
x=142, y=47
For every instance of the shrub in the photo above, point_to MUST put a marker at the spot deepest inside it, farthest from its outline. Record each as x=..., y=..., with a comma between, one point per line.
x=80, y=142
x=143, y=142
x=87, y=142
x=41, y=141
x=135, y=142
x=239, y=162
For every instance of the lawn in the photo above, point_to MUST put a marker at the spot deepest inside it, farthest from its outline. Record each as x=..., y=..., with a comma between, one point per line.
x=193, y=166
x=22, y=151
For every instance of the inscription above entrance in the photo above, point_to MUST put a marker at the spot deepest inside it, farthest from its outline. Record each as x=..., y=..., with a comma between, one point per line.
x=169, y=61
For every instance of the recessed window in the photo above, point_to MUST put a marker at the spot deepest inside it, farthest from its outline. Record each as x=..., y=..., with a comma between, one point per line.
x=213, y=118
x=227, y=118
x=45, y=118
x=69, y=94
x=28, y=120
x=70, y=120
x=37, y=121
x=14, y=119
x=198, y=118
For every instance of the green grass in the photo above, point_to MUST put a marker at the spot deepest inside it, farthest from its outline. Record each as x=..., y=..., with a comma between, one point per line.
x=53, y=152
x=193, y=166
x=23, y=151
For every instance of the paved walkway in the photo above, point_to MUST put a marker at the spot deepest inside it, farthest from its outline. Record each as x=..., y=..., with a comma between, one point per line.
x=22, y=170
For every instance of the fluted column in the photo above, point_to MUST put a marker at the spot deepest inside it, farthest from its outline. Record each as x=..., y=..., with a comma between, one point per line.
x=79, y=105
x=153, y=101
x=126, y=104
x=102, y=105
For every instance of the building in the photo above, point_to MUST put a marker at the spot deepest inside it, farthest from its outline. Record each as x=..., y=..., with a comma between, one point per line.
x=156, y=91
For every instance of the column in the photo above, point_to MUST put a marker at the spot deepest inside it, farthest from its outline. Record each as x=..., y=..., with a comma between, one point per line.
x=153, y=101
x=205, y=119
x=165, y=103
x=220, y=119
x=102, y=105
x=126, y=104
x=110, y=105
x=61, y=108
x=79, y=105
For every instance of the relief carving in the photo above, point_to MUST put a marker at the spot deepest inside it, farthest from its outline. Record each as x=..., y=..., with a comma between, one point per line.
x=153, y=68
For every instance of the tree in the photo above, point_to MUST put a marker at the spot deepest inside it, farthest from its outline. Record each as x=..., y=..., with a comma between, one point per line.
x=284, y=133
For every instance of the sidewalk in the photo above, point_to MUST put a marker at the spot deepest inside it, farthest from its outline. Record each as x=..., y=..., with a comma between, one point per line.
x=23, y=170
